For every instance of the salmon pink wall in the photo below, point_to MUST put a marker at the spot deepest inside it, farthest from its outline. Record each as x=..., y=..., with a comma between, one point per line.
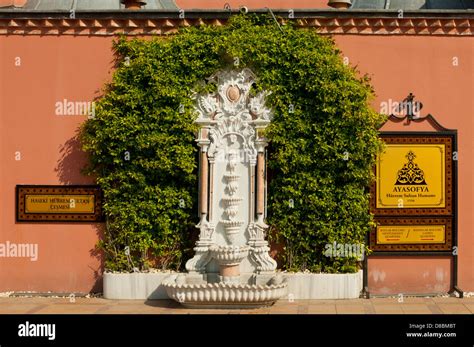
x=37, y=72
x=53, y=68
x=16, y=3
x=408, y=275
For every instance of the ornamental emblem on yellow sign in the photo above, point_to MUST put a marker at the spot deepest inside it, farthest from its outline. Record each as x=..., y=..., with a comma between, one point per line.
x=410, y=174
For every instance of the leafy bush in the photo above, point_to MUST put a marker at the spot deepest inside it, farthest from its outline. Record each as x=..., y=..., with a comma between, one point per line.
x=323, y=142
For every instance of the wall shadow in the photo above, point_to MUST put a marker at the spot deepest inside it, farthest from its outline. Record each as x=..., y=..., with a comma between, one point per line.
x=98, y=254
x=71, y=162
x=69, y=172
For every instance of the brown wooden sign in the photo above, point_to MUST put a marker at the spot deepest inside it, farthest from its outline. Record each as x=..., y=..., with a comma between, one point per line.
x=413, y=196
x=47, y=203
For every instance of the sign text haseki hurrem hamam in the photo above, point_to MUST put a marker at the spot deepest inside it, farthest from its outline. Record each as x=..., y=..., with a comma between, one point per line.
x=59, y=204
x=412, y=198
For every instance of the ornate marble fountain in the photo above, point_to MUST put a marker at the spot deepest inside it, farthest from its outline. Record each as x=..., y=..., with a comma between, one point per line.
x=231, y=266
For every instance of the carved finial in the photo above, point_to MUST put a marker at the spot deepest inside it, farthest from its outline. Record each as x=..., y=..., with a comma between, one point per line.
x=411, y=107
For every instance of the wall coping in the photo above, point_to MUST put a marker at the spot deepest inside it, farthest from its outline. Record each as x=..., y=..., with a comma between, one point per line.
x=150, y=22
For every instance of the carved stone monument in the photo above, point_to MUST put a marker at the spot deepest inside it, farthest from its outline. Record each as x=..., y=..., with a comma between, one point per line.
x=231, y=265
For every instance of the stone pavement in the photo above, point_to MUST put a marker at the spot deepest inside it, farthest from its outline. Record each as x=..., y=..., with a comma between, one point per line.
x=410, y=305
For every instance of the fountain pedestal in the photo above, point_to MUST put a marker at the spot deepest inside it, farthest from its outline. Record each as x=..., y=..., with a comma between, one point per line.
x=231, y=266
x=229, y=259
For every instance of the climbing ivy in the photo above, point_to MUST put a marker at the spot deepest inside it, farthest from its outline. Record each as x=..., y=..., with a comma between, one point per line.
x=323, y=142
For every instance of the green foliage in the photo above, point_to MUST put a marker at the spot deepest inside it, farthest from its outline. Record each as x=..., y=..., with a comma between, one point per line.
x=322, y=118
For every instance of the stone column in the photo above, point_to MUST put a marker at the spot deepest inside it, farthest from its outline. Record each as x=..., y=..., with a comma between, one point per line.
x=261, y=180
x=211, y=189
x=252, y=208
x=204, y=184
x=197, y=265
x=203, y=143
x=260, y=184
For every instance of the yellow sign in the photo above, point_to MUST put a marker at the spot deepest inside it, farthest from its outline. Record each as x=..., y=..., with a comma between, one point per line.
x=59, y=203
x=410, y=234
x=411, y=176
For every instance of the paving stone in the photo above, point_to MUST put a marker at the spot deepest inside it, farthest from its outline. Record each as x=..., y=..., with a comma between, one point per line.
x=470, y=307
x=350, y=309
x=350, y=301
x=453, y=308
x=263, y=310
x=68, y=309
x=446, y=300
x=416, y=309
x=388, y=309
x=293, y=309
x=434, y=309
x=18, y=308
x=353, y=306
x=369, y=308
x=322, y=309
x=303, y=309
x=323, y=302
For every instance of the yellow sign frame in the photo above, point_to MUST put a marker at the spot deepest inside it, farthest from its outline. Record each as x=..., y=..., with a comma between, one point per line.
x=426, y=163
x=445, y=171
